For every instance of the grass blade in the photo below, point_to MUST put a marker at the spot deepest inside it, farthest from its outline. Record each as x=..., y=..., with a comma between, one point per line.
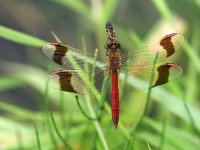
x=19, y=37
x=109, y=9
x=163, y=9
x=37, y=136
x=194, y=127
x=97, y=125
x=7, y=83
x=77, y=6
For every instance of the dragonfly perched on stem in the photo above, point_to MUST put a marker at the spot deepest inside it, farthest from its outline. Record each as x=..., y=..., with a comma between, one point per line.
x=135, y=66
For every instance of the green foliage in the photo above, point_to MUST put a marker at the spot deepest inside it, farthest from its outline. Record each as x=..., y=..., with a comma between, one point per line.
x=19, y=37
x=172, y=124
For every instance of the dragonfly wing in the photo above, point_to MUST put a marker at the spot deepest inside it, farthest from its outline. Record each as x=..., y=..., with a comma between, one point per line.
x=165, y=47
x=76, y=81
x=60, y=54
x=138, y=80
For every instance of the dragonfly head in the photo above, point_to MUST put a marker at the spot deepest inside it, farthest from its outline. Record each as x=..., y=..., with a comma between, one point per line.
x=109, y=26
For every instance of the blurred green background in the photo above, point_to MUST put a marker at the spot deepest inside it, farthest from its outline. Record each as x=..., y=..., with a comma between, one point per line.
x=27, y=122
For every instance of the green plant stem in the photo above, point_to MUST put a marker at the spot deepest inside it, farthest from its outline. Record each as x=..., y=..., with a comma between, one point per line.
x=109, y=8
x=51, y=134
x=94, y=141
x=46, y=110
x=97, y=125
x=77, y=6
x=84, y=47
x=195, y=129
x=83, y=112
x=67, y=146
x=162, y=7
x=55, y=36
x=149, y=90
x=37, y=136
x=62, y=109
x=94, y=66
x=133, y=132
x=149, y=148
x=20, y=37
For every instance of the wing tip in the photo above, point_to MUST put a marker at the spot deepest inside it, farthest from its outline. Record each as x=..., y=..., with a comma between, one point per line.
x=174, y=35
x=47, y=46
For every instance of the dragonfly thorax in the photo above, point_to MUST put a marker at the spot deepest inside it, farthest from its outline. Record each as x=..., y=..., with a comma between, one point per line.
x=114, y=61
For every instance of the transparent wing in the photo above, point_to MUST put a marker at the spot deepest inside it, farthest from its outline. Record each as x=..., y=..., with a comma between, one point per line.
x=139, y=78
x=79, y=82
x=165, y=47
x=60, y=53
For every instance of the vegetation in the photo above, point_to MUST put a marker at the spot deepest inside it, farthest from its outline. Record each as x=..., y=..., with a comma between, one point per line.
x=164, y=118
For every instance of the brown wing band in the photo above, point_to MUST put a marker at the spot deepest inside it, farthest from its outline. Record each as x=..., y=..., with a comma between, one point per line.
x=163, y=74
x=167, y=44
x=59, y=53
x=65, y=81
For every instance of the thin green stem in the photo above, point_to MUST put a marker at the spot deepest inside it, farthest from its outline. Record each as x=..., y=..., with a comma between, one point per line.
x=37, y=136
x=62, y=109
x=51, y=135
x=149, y=148
x=94, y=141
x=150, y=86
x=83, y=112
x=195, y=129
x=94, y=66
x=55, y=36
x=46, y=109
x=133, y=132
x=127, y=145
x=97, y=125
x=77, y=6
x=86, y=65
x=162, y=7
x=109, y=9
x=67, y=146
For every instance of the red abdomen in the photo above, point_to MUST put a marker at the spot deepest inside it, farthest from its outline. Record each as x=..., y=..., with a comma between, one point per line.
x=115, y=99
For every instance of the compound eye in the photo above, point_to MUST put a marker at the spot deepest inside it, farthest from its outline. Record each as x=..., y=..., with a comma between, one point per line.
x=109, y=46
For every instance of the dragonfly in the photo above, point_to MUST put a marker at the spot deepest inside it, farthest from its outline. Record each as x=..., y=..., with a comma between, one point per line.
x=134, y=67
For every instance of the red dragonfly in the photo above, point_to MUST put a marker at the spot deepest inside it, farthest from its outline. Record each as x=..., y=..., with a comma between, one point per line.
x=135, y=68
